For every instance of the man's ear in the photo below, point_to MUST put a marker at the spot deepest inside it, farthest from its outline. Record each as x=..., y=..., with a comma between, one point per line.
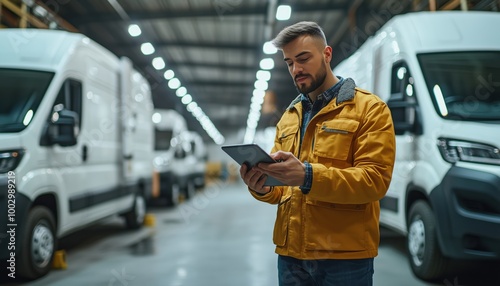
x=327, y=53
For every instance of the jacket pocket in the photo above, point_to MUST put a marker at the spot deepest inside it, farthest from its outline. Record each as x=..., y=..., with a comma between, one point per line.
x=334, y=138
x=287, y=136
x=340, y=227
x=282, y=218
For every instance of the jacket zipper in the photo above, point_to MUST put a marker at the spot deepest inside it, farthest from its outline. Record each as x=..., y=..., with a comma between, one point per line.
x=331, y=130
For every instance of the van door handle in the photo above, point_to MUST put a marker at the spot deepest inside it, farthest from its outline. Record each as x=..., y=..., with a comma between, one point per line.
x=84, y=153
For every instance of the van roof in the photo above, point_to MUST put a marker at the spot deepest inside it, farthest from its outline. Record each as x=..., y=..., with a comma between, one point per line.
x=39, y=48
x=445, y=30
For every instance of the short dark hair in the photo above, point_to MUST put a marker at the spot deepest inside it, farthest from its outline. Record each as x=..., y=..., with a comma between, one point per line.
x=292, y=32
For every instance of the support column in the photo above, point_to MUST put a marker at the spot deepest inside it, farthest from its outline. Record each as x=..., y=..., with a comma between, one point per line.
x=24, y=16
x=463, y=5
x=432, y=5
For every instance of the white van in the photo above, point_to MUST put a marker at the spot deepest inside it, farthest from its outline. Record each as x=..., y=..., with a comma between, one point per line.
x=440, y=75
x=180, y=158
x=169, y=125
x=76, y=142
x=197, y=158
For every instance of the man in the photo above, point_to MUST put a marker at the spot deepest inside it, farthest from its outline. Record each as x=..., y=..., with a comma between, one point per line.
x=335, y=145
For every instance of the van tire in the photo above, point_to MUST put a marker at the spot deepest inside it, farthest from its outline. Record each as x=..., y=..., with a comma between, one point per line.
x=426, y=259
x=135, y=218
x=38, y=243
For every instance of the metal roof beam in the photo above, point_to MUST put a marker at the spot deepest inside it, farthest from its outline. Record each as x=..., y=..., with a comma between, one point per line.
x=187, y=44
x=218, y=83
x=218, y=10
x=176, y=65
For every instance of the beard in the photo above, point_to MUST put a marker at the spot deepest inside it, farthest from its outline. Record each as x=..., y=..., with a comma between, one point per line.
x=317, y=80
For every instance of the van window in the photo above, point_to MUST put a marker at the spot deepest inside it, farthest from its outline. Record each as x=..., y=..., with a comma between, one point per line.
x=21, y=92
x=163, y=139
x=402, y=83
x=463, y=85
x=70, y=98
x=402, y=100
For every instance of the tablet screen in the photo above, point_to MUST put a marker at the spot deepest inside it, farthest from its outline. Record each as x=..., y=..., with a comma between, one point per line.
x=251, y=154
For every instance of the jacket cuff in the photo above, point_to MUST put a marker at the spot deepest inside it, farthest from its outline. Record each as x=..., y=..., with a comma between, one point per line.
x=261, y=195
x=306, y=187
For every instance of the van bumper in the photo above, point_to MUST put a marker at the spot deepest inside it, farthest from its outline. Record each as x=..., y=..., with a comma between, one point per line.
x=20, y=210
x=467, y=207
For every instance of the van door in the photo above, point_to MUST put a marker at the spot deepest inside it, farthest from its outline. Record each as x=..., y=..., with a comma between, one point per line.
x=404, y=109
x=103, y=132
x=69, y=161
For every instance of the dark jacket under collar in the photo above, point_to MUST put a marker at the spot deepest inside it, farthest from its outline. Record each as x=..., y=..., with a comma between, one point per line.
x=346, y=93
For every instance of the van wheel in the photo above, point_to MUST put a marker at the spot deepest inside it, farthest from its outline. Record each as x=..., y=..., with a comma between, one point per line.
x=135, y=218
x=37, y=244
x=175, y=194
x=426, y=260
x=190, y=189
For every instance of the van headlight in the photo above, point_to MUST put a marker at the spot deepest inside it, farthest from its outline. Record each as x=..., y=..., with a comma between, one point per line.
x=161, y=162
x=9, y=160
x=456, y=150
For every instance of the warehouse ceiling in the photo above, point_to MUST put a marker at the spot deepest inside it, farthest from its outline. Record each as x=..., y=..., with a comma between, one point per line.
x=214, y=47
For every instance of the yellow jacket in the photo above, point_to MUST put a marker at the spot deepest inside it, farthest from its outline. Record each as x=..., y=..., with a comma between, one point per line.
x=350, y=144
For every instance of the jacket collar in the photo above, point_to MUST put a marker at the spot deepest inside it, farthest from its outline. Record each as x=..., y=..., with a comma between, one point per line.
x=346, y=92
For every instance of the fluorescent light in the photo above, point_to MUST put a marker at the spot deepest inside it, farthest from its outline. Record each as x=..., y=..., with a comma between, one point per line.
x=147, y=48
x=269, y=48
x=283, y=12
x=409, y=89
x=192, y=106
x=181, y=91
x=156, y=117
x=440, y=100
x=174, y=83
x=158, y=63
x=28, y=117
x=257, y=99
x=254, y=115
x=134, y=30
x=169, y=74
x=258, y=93
x=263, y=75
x=261, y=85
x=197, y=112
x=257, y=106
x=249, y=135
x=186, y=99
x=252, y=123
x=401, y=72
x=267, y=64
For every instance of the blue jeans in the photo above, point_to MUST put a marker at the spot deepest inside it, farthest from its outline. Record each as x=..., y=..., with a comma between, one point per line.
x=325, y=272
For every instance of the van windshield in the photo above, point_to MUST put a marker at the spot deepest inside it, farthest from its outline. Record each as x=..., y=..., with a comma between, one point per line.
x=162, y=139
x=463, y=85
x=21, y=92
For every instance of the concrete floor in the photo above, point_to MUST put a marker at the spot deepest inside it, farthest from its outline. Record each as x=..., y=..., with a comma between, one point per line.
x=222, y=237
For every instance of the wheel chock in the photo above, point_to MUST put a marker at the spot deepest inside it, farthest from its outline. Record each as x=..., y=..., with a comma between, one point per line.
x=149, y=220
x=59, y=261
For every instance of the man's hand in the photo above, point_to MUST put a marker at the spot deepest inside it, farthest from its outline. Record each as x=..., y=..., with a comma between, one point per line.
x=254, y=179
x=289, y=170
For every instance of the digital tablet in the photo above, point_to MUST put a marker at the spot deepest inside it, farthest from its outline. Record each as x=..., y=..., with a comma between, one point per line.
x=251, y=154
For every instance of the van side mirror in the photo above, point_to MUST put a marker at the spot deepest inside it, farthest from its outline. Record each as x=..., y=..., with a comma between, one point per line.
x=62, y=129
x=406, y=117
